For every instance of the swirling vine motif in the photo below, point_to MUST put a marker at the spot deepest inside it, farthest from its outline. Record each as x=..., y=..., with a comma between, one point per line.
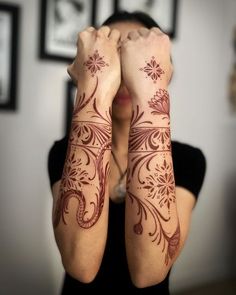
x=76, y=178
x=93, y=139
x=150, y=166
x=169, y=243
x=153, y=137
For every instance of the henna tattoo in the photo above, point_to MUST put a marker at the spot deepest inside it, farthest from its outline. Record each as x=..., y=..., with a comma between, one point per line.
x=95, y=63
x=160, y=103
x=151, y=174
x=144, y=136
x=170, y=243
x=81, y=102
x=73, y=176
x=153, y=70
x=92, y=139
x=156, y=138
x=162, y=184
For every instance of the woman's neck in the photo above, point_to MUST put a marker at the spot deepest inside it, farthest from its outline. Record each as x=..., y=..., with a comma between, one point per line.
x=120, y=136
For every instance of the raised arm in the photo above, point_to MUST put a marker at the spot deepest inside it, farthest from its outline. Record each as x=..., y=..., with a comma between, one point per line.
x=80, y=203
x=152, y=224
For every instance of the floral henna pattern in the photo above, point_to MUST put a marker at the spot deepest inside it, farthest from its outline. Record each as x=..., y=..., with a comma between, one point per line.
x=160, y=103
x=93, y=139
x=161, y=185
x=151, y=173
x=73, y=177
x=153, y=70
x=170, y=243
x=95, y=63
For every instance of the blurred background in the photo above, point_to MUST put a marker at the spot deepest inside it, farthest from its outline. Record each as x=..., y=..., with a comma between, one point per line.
x=202, y=115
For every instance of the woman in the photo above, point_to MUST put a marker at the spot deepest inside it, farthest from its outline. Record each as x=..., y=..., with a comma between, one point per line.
x=111, y=235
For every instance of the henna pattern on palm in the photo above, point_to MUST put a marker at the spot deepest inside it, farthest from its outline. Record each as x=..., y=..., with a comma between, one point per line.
x=92, y=139
x=151, y=168
x=153, y=70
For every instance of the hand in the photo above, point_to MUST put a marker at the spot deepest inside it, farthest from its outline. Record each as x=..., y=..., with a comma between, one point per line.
x=97, y=56
x=145, y=60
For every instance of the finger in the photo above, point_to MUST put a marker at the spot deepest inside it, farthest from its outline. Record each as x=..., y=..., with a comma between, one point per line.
x=133, y=35
x=90, y=29
x=156, y=30
x=85, y=33
x=143, y=32
x=104, y=31
x=115, y=35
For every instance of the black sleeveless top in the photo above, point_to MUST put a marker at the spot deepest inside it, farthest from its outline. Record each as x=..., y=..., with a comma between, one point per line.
x=189, y=170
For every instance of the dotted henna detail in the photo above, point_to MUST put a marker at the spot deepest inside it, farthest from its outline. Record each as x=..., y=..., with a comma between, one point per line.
x=161, y=185
x=153, y=70
x=95, y=63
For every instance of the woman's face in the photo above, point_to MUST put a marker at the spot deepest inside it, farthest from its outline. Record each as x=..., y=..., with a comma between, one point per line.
x=122, y=107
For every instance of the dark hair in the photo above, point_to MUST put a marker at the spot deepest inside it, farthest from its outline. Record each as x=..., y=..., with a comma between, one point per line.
x=136, y=16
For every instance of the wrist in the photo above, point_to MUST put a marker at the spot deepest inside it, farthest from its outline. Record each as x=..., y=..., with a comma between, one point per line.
x=91, y=100
x=144, y=91
x=155, y=107
x=106, y=87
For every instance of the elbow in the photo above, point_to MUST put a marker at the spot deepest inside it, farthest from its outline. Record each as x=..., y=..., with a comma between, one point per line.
x=144, y=280
x=76, y=261
x=83, y=273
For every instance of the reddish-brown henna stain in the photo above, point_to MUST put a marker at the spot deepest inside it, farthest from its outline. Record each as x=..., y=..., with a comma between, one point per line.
x=146, y=144
x=95, y=63
x=153, y=69
x=160, y=103
x=93, y=139
x=161, y=185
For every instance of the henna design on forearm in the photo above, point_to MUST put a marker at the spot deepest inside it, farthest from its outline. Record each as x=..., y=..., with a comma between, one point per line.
x=151, y=175
x=85, y=163
x=170, y=243
x=153, y=70
x=160, y=103
x=161, y=185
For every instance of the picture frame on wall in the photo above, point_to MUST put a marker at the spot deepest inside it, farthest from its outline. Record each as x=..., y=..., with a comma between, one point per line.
x=69, y=104
x=9, y=30
x=164, y=12
x=61, y=21
x=104, y=9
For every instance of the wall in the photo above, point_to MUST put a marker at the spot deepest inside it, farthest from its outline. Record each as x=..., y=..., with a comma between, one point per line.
x=201, y=116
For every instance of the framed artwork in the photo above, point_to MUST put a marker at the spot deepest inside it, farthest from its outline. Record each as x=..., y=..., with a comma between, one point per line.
x=164, y=12
x=69, y=105
x=9, y=26
x=104, y=9
x=61, y=21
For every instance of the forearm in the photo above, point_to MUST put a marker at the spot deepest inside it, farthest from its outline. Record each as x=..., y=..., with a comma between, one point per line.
x=81, y=210
x=152, y=227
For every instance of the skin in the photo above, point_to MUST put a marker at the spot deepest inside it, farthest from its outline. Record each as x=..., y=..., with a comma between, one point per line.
x=157, y=213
